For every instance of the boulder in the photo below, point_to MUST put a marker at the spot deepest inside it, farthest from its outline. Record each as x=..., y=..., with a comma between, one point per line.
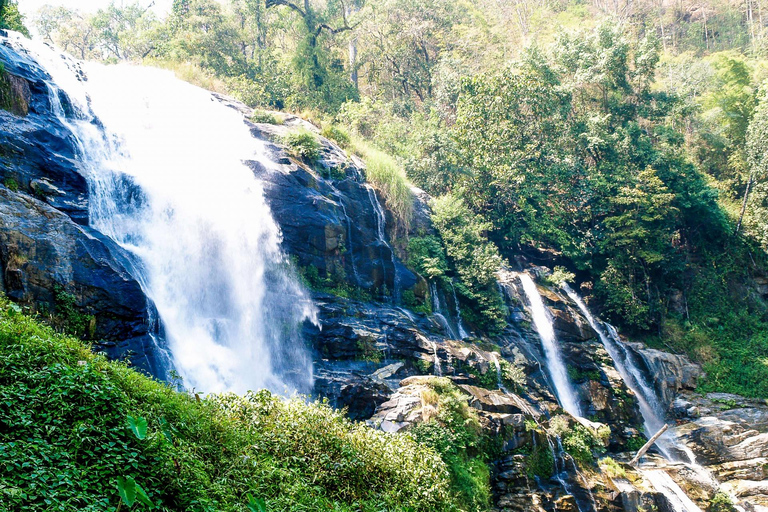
x=672, y=373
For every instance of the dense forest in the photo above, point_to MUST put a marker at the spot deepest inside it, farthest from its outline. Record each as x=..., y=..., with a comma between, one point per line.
x=622, y=140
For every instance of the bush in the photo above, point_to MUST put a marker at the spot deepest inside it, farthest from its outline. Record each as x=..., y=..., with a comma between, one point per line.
x=303, y=144
x=337, y=134
x=384, y=173
x=476, y=260
x=262, y=116
x=72, y=424
x=455, y=435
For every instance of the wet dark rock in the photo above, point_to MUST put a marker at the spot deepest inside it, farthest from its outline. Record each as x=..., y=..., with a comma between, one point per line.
x=38, y=154
x=42, y=250
x=327, y=214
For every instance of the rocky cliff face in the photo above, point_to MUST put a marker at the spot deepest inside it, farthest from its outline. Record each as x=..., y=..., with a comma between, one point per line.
x=52, y=262
x=372, y=356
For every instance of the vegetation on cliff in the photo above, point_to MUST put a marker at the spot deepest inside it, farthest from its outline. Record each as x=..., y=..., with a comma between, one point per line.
x=77, y=430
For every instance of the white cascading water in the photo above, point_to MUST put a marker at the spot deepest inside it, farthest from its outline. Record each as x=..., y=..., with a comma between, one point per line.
x=381, y=224
x=169, y=184
x=554, y=359
x=459, y=323
x=439, y=313
x=648, y=403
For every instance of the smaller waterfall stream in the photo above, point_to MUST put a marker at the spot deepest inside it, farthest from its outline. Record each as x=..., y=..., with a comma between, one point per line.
x=459, y=323
x=381, y=223
x=649, y=405
x=554, y=359
x=439, y=312
x=350, y=249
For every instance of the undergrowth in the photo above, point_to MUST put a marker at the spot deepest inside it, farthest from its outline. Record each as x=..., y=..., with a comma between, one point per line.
x=73, y=424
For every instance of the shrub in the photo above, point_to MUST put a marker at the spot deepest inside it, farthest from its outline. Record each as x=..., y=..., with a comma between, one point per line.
x=475, y=257
x=75, y=427
x=612, y=468
x=384, y=173
x=337, y=134
x=11, y=184
x=303, y=144
x=455, y=434
x=427, y=257
x=262, y=116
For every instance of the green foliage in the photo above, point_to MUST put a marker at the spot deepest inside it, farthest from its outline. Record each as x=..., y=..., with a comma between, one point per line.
x=455, y=435
x=635, y=443
x=130, y=492
x=65, y=445
x=11, y=184
x=540, y=462
x=262, y=116
x=334, y=282
x=367, y=351
x=69, y=316
x=427, y=257
x=303, y=144
x=137, y=426
x=337, y=134
x=11, y=18
x=513, y=374
x=559, y=276
x=476, y=259
x=721, y=502
x=416, y=304
x=256, y=504
x=384, y=173
x=612, y=468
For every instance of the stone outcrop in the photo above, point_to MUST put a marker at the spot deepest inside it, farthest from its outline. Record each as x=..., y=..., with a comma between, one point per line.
x=38, y=153
x=728, y=435
x=329, y=215
x=46, y=256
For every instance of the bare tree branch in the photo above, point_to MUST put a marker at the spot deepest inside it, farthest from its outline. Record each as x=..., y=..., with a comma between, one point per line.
x=272, y=3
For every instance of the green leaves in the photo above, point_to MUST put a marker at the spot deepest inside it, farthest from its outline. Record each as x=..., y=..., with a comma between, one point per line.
x=256, y=504
x=138, y=426
x=131, y=492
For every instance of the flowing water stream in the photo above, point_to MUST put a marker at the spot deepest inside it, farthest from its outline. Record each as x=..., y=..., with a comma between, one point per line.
x=555, y=364
x=650, y=408
x=167, y=180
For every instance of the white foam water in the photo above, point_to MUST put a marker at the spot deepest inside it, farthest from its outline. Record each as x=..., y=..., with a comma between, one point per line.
x=554, y=359
x=168, y=180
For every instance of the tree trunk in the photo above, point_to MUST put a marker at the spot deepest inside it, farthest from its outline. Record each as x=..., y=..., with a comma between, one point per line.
x=744, y=203
x=647, y=445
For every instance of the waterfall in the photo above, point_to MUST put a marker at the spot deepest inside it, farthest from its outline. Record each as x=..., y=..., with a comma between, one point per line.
x=350, y=249
x=459, y=323
x=554, y=359
x=453, y=327
x=648, y=402
x=499, y=381
x=649, y=405
x=381, y=223
x=167, y=180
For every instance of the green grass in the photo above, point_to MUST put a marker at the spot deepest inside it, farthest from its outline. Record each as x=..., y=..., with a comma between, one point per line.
x=65, y=439
x=303, y=144
x=383, y=172
x=263, y=116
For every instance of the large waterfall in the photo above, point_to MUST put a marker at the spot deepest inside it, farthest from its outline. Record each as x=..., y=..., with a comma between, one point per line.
x=554, y=359
x=167, y=180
